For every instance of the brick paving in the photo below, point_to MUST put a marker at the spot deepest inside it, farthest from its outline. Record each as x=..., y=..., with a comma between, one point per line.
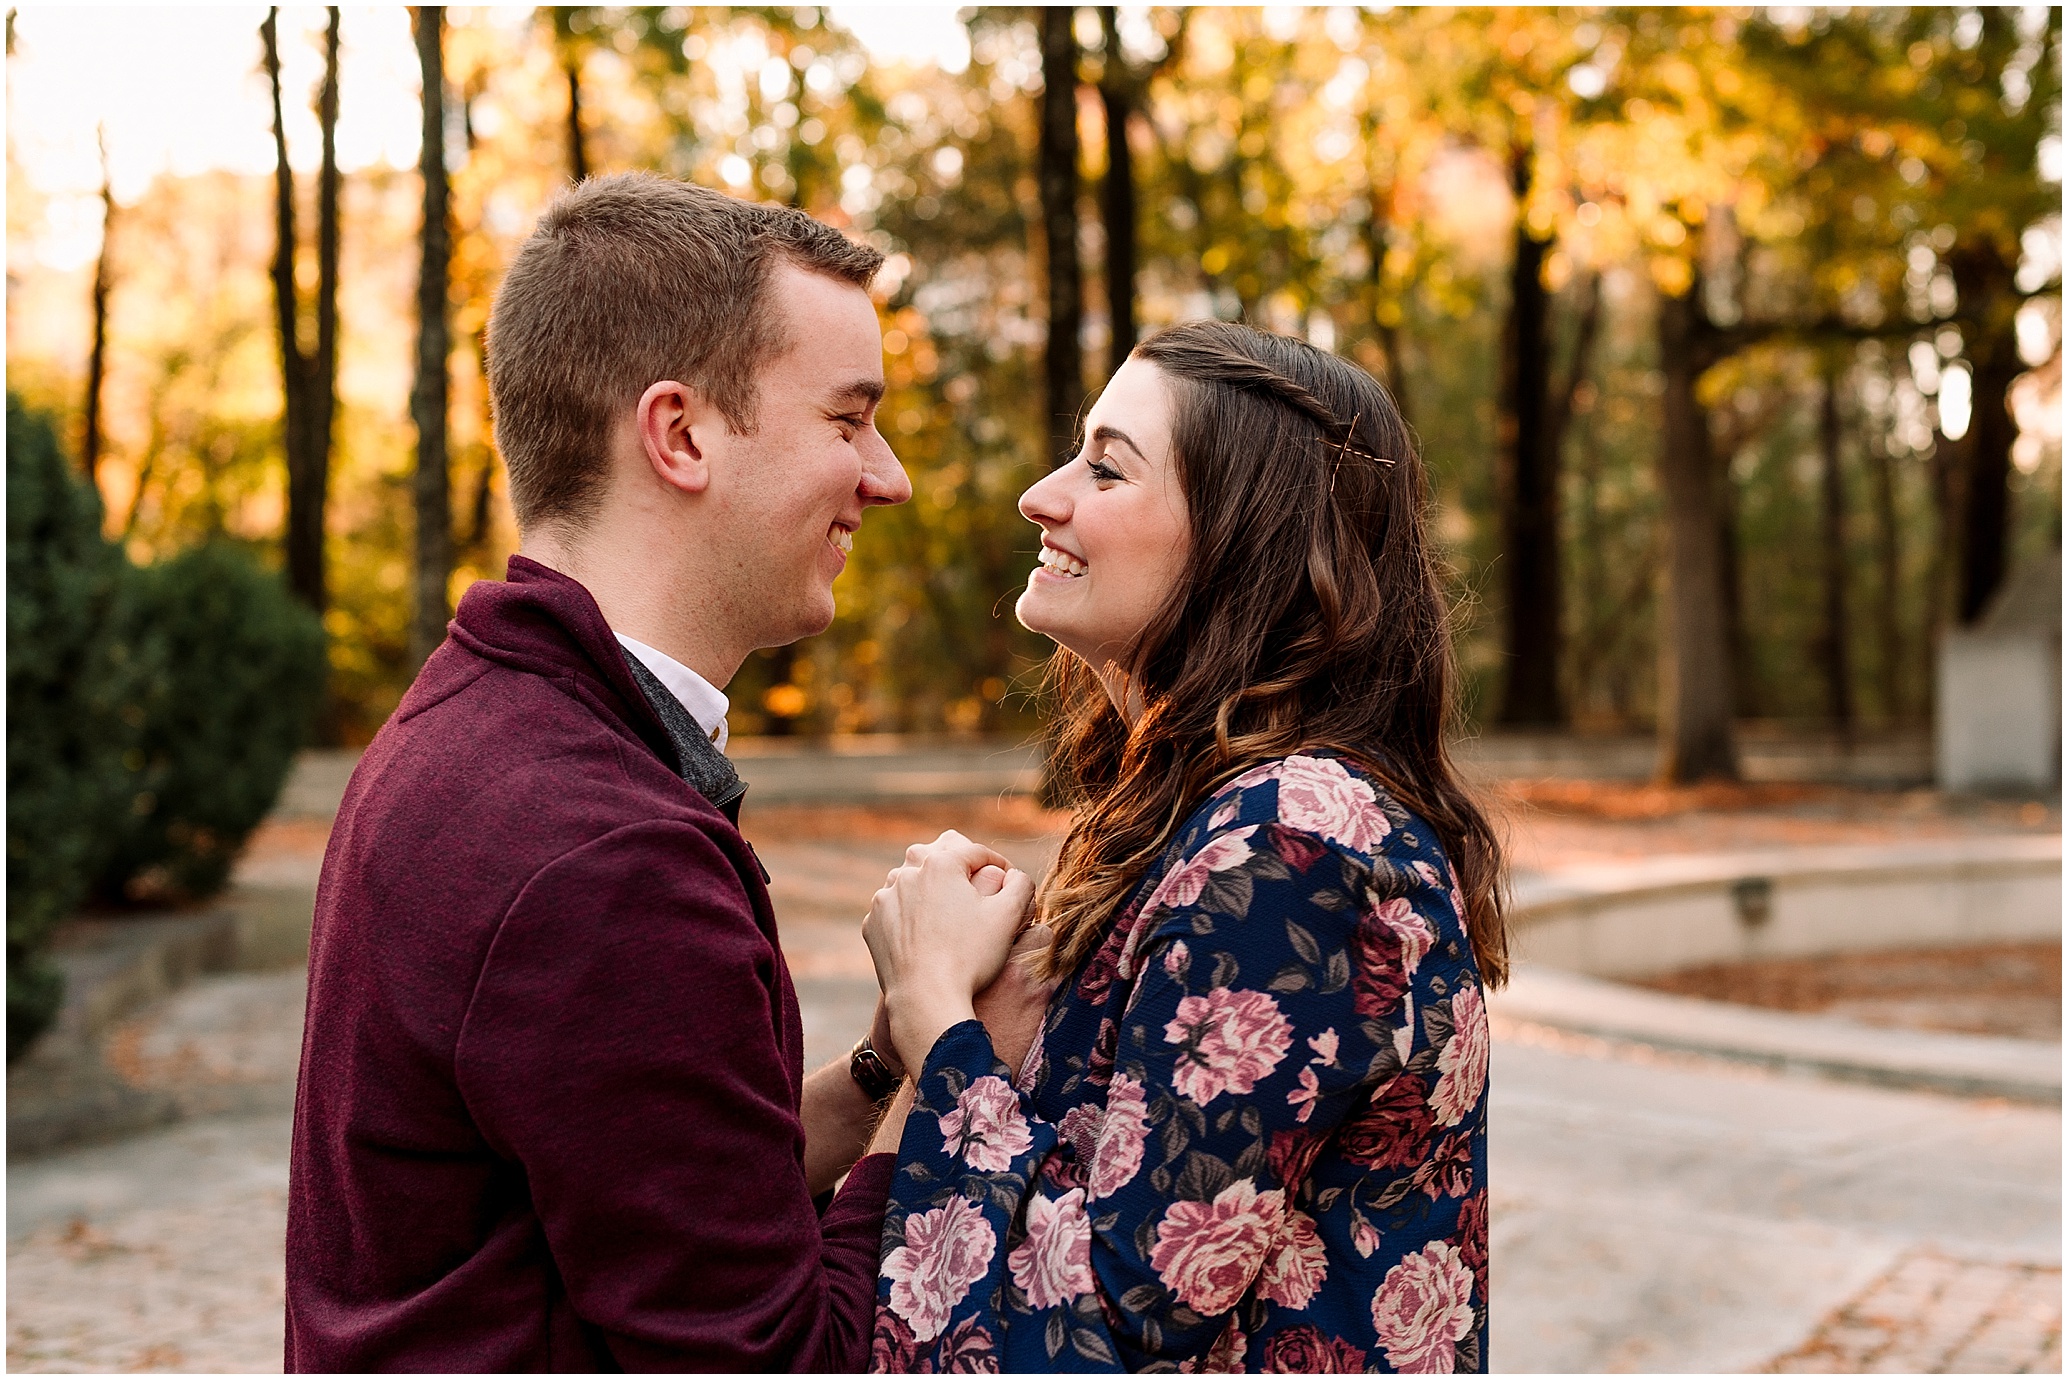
x=1934, y=1315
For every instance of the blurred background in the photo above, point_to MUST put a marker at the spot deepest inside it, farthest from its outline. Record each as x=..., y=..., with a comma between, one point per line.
x=1732, y=340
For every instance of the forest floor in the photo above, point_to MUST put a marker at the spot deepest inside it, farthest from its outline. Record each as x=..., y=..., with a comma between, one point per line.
x=1651, y=1211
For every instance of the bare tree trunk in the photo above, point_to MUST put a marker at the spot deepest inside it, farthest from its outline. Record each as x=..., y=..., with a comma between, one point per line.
x=1834, y=648
x=309, y=380
x=1695, y=730
x=97, y=361
x=1529, y=481
x=562, y=17
x=1117, y=199
x=1378, y=241
x=1888, y=559
x=1064, y=373
x=427, y=401
x=1989, y=302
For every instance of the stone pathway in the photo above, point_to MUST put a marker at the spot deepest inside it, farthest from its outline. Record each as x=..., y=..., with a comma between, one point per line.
x=1651, y=1211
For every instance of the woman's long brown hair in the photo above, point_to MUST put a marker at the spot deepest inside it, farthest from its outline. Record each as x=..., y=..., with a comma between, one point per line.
x=1309, y=615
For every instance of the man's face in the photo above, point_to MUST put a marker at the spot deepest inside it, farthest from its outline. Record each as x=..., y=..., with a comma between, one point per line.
x=796, y=490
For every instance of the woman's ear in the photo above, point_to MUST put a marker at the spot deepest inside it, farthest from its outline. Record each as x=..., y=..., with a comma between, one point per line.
x=676, y=427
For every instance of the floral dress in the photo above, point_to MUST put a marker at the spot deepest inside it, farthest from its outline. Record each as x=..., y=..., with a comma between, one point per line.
x=1252, y=1135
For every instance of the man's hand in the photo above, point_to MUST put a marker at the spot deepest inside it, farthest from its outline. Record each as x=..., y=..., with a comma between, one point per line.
x=936, y=940
x=1014, y=1005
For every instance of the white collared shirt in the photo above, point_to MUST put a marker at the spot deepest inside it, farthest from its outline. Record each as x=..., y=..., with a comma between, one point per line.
x=705, y=702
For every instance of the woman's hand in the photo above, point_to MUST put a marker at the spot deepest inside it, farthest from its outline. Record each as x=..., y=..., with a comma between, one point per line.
x=937, y=940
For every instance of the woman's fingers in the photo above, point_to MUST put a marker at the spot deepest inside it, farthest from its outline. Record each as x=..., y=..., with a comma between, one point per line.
x=988, y=879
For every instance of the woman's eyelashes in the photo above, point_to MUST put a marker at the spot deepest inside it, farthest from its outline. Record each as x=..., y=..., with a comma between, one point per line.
x=1101, y=470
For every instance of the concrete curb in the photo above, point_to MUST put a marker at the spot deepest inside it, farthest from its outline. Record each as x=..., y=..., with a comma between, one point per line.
x=1966, y=1065
x=62, y=1092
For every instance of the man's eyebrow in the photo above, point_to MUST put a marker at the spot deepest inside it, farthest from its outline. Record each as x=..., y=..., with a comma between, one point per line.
x=1114, y=433
x=867, y=392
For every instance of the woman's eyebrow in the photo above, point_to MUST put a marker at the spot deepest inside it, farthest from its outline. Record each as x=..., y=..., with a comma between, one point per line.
x=1114, y=433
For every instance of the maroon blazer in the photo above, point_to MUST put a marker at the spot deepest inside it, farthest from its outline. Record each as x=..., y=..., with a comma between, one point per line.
x=548, y=1113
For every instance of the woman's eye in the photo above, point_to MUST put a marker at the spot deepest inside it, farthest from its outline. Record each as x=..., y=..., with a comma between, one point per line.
x=1100, y=470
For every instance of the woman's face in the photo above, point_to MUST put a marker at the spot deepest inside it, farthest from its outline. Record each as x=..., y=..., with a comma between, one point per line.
x=1114, y=527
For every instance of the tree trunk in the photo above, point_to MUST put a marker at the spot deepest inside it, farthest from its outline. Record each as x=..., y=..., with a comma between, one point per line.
x=1988, y=303
x=1834, y=644
x=427, y=401
x=577, y=150
x=1695, y=733
x=97, y=361
x=1529, y=481
x=1064, y=373
x=309, y=380
x=1888, y=559
x=1117, y=202
x=1378, y=240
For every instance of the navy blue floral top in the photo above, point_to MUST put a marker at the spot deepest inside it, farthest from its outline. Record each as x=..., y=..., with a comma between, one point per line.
x=1252, y=1135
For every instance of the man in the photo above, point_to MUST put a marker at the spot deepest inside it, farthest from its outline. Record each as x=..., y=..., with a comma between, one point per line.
x=552, y=1113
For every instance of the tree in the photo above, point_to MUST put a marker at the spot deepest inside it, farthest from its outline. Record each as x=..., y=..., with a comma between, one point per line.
x=563, y=17
x=97, y=362
x=1118, y=91
x=1695, y=732
x=1529, y=482
x=427, y=401
x=1058, y=171
x=1836, y=638
x=308, y=377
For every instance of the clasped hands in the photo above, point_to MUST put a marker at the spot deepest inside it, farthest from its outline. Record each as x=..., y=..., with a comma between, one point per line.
x=949, y=936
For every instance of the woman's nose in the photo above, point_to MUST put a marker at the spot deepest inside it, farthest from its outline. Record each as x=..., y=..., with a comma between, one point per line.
x=1046, y=501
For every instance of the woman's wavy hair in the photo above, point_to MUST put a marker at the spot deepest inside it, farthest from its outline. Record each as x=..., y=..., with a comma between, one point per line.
x=1310, y=614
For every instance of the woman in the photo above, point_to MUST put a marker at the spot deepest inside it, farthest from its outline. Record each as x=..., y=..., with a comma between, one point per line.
x=1252, y=1131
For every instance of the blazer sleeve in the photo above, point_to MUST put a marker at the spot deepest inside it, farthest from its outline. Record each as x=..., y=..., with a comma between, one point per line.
x=621, y=1050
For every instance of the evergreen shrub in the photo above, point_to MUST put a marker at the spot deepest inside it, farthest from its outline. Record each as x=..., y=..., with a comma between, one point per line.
x=77, y=674
x=244, y=667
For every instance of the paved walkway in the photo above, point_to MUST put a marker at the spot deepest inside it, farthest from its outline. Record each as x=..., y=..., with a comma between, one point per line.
x=1651, y=1211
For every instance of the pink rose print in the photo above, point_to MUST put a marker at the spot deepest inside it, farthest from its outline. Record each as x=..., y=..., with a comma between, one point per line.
x=1394, y=1130
x=1463, y=1060
x=1232, y=1040
x=1319, y=794
x=968, y=1349
x=1054, y=1262
x=1294, y=1270
x=946, y=1250
x=1363, y=1235
x=1175, y=959
x=986, y=1128
x=1324, y=1046
x=1448, y=1172
x=1226, y=811
x=1298, y=849
x=1424, y=1309
x=1182, y=885
x=1290, y=1155
x=1097, y=978
x=1079, y=1129
x=1207, y=1253
x=1304, y=1350
x=1224, y=1357
x=1303, y=1096
x=1471, y=1238
x=1117, y=1154
x=1390, y=941
x=893, y=1347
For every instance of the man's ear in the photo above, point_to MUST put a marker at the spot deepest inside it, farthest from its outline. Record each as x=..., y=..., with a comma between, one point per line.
x=676, y=425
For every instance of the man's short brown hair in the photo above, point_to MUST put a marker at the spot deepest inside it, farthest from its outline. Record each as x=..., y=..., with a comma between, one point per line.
x=628, y=280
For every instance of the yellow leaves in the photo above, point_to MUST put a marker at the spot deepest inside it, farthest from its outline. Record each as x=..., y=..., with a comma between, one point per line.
x=1215, y=260
x=1672, y=274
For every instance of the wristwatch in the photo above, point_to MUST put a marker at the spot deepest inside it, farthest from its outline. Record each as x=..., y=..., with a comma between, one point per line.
x=870, y=1073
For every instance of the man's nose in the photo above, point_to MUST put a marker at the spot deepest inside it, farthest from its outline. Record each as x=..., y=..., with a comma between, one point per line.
x=883, y=478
